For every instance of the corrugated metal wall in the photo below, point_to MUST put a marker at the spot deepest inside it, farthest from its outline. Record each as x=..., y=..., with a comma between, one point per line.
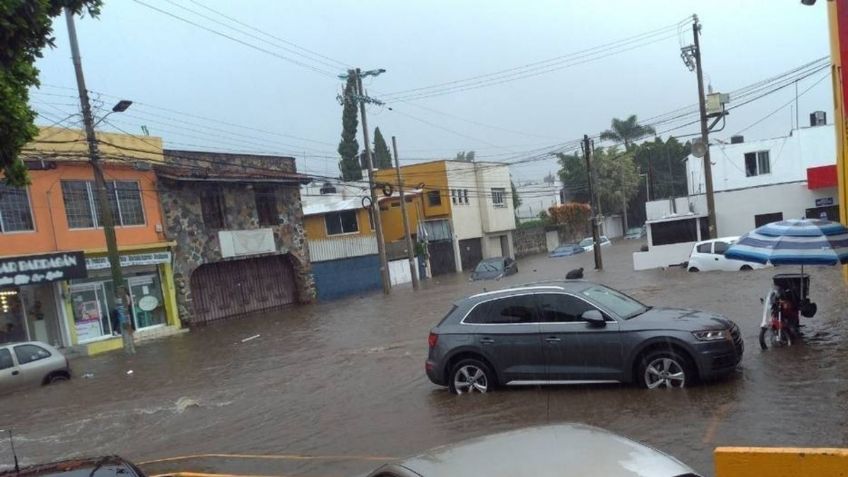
x=321, y=250
x=348, y=276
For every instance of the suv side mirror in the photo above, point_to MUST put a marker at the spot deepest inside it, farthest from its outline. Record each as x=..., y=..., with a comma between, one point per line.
x=593, y=317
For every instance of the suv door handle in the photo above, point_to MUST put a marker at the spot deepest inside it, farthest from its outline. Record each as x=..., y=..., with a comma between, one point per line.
x=552, y=339
x=487, y=341
x=15, y=373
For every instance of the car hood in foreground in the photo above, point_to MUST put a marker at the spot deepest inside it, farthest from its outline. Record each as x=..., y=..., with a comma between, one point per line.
x=680, y=319
x=542, y=451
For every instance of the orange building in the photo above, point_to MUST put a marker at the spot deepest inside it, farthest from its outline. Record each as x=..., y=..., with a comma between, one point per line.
x=55, y=284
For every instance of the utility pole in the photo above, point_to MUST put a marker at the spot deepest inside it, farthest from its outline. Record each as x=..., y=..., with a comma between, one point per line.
x=705, y=131
x=375, y=205
x=106, y=218
x=590, y=177
x=410, y=249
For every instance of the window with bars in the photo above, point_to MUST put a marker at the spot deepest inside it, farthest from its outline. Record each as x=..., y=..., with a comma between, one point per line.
x=212, y=207
x=341, y=222
x=15, y=210
x=499, y=196
x=83, y=211
x=266, y=206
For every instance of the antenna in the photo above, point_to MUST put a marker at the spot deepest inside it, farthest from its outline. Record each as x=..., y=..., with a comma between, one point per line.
x=14, y=454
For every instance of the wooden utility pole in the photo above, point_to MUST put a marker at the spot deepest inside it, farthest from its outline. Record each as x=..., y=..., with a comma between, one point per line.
x=590, y=178
x=408, y=235
x=106, y=220
x=705, y=131
x=375, y=205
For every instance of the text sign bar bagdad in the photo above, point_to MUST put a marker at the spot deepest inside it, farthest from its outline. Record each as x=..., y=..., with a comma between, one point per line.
x=153, y=258
x=45, y=268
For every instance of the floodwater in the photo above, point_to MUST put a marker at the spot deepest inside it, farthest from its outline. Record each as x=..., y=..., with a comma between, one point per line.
x=336, y=388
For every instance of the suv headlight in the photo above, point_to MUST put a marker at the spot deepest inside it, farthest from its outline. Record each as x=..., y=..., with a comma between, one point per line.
x=712, y=335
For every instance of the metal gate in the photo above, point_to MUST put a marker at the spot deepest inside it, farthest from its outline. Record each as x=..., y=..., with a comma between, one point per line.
x=232, y=288
x=441, y=257
x=470, y=253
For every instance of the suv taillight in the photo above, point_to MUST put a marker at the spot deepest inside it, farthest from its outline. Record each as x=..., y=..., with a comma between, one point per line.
x=432, y=340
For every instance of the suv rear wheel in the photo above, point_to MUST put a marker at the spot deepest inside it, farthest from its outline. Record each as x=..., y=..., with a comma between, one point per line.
x=470, y=376
x=665, y=369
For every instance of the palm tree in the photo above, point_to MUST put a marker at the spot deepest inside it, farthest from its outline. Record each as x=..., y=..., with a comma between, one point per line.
x=626, y=131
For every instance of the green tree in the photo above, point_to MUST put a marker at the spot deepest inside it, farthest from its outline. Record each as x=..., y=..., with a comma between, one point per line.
x=626, y=131
x=348, y=146
x=516, y=199
x=572, y=174
x=25, y=29
x=616, y=178
x=664, y=166
x=463, y=156
x=382, y=155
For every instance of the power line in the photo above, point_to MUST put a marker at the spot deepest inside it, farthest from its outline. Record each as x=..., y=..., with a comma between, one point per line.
x=242, y=42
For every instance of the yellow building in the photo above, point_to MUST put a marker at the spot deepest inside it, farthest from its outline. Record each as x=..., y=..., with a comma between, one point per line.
x=466, y=211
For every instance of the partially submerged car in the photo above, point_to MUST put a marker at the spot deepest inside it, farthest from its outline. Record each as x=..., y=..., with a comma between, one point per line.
x=494, y=268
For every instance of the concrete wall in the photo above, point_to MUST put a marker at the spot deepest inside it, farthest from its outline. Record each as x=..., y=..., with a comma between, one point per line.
x=790, y=156
x=399, y=271
x=348, y=276
x=613, y=227
x=661, y=209
x=735, y=210
x=467, y=220
x=661, y=256
x=489, y=176
x=529, y=241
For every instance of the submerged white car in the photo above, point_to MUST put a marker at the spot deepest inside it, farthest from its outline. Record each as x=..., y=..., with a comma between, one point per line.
x=588, y=243
x=708, y=255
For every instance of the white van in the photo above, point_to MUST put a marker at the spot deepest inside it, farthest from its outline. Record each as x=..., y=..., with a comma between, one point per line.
x=708, y=255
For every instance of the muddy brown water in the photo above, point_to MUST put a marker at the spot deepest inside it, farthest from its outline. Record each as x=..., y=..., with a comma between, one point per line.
x=343, y=384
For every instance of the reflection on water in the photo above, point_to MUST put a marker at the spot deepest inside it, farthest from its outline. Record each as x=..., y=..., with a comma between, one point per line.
x=347, y=378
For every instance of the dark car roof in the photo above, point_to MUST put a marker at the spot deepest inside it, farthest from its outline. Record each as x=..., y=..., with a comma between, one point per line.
x=557, y=285
x=105, y=466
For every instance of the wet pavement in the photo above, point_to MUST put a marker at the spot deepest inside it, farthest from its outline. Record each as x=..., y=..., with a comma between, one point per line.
x=337, y=388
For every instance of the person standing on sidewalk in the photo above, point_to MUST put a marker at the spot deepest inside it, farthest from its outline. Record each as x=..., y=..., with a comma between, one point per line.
x=122, y=301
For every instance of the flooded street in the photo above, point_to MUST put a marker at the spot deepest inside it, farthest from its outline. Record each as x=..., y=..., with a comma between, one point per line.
x=334, y=389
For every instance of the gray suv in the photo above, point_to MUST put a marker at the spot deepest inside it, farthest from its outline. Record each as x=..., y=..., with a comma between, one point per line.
x=576, y=332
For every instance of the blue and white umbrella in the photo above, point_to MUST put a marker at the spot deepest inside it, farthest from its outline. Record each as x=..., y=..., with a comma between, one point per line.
x=794, y=242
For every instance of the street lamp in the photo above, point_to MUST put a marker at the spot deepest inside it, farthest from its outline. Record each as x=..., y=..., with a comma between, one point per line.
x=119, y=107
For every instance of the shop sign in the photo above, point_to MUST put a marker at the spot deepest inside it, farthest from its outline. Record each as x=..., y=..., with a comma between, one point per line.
x=153, y=258
x=45, y=268
x=824, y=201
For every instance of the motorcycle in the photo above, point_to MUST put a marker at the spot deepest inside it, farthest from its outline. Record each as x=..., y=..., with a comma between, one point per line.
x=782, y=308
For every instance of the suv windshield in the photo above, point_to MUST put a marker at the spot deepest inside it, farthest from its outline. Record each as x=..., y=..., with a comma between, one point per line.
x=619, y=303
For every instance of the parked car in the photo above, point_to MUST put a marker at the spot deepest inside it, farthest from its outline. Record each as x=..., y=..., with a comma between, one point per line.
x=552, y=450
x=635, y=233
x=107, y=466
x=30, y=364
x=566, y=250
x=588, y=243
x=708, y=255
x=576, y=331
x=494, y=268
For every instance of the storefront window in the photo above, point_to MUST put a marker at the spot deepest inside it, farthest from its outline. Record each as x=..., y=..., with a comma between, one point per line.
x=147, y=306
x=12, y=326
x=91, y=311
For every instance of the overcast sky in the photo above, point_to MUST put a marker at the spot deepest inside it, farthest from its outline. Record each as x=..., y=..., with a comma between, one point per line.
x=134, y=52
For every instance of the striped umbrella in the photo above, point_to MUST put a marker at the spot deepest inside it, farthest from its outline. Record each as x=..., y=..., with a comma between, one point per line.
x=794, y=242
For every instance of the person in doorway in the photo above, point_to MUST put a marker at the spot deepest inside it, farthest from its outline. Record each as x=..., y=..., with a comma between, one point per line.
x=122, y=304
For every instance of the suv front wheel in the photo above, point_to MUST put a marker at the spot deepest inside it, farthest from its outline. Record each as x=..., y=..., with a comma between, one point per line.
x=665, y=369
x=470, y=376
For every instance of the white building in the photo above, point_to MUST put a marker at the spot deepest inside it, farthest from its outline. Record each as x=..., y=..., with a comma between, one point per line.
x=481, y=211
x=755, y=183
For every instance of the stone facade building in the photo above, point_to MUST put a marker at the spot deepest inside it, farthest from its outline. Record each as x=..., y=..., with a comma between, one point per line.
x=237, y=222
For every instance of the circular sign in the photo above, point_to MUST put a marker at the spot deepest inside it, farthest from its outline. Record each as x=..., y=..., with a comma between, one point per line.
x=148, y=303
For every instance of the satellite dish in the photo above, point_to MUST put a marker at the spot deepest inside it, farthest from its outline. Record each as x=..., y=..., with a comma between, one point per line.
x=699, y=149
